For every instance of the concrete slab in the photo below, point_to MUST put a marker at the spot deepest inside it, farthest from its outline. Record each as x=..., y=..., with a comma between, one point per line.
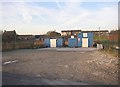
x=68, y=49
x=17, y=79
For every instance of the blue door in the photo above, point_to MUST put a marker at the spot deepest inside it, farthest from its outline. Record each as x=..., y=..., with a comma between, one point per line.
x=72, y=42
x=79, y=42
x=79, y=39
x=47, y=42
x=90, y=39
x=59, y=42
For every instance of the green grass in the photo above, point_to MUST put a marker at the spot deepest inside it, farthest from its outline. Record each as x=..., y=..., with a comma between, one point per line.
x=109, y=47
x=96, y=37
x=112, y=52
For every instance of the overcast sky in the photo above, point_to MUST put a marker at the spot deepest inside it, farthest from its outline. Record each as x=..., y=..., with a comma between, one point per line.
x=38, y=17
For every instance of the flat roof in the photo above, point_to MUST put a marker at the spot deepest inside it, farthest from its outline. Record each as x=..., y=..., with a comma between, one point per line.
x=85, y=31
x=69, y=30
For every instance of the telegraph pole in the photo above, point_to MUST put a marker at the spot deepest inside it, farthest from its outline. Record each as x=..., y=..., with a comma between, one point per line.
x=99, y=33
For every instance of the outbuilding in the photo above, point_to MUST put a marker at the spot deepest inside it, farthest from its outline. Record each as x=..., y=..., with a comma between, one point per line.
x=84, y=39
x=53, y=42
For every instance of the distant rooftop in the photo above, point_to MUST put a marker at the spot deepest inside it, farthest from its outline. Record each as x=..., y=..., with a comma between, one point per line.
x=70, y=30
x=84, y=31
x=97, y=31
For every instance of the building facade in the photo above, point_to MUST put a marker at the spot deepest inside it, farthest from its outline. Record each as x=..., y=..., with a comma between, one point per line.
x=70, y=32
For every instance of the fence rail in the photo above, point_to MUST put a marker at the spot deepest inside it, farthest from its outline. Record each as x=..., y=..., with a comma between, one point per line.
x=16, y=45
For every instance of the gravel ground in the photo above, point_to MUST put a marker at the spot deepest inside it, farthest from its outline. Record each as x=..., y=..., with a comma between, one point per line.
x=86, y=65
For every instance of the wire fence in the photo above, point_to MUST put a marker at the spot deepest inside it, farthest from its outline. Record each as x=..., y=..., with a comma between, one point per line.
x=111, y=47
x=110, y=44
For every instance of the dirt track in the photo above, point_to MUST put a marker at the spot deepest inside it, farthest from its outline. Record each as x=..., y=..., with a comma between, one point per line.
x=90, y=67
